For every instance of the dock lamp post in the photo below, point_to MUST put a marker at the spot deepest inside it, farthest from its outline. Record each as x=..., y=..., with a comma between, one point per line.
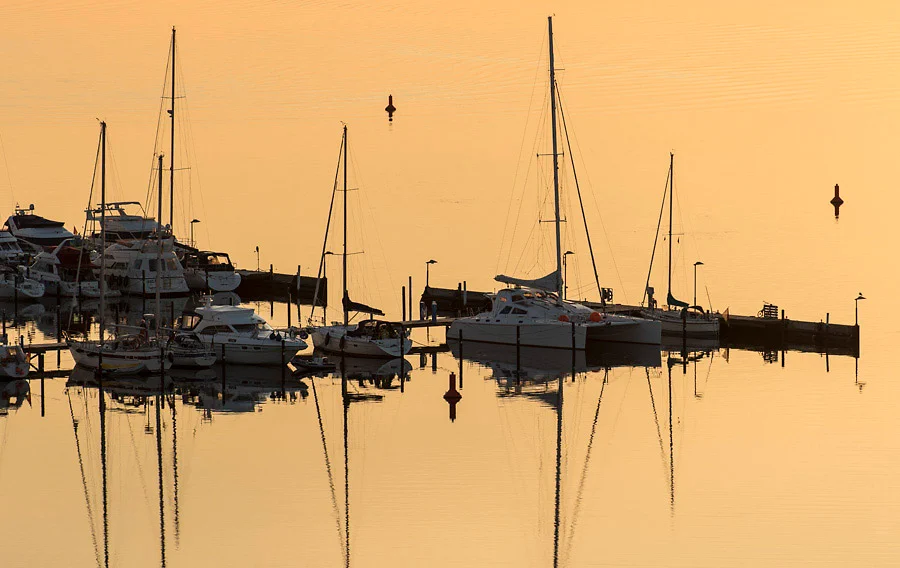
x=193, y=242
x=257, y=258
x=427, y=266
x=565, y=275
x=856, y=305
x=696, y=264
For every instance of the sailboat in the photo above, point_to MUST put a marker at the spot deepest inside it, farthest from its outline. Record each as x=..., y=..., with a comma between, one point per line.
x=680, y=318
x=533, y=313
x=126, y=354
x=371, y=337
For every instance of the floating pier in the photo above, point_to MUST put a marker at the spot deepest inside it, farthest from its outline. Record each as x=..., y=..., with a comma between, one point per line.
x=268, y=285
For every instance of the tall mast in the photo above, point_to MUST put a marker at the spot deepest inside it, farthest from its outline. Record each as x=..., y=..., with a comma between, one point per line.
x=671, y=191
x=344, y=298
x=102, y=232
x=555, y=162
x=159, y=241
x=172, y=143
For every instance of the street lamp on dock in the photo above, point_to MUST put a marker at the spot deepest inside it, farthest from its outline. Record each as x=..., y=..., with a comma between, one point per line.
x=257, y=258
x=427, y=266
x=193, y=243
x=696, y=264
x=856, y=305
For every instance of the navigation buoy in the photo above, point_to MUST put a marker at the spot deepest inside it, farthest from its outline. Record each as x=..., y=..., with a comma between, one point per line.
x=837, y=201
x=390, y=108
x=452, y=396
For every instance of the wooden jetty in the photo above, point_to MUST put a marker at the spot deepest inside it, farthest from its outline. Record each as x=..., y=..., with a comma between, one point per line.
x=268, y=285
x=763, y=331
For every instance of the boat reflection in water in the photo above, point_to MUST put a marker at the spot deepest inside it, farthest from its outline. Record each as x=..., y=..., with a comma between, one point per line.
x=13, y=395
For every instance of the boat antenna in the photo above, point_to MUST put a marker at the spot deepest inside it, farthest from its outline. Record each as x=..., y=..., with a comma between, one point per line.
x=171, y=143
x=559, y=282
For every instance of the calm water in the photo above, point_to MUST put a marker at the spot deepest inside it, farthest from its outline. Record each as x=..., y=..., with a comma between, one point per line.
x=757, y=463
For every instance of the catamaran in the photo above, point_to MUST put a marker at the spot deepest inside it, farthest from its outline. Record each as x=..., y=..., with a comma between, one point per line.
x=679, y=318
x=533, y=312
x=369, y=338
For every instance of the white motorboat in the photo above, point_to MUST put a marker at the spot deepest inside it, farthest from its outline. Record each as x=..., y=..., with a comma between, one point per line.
x=132, y=268
x=123, y=221
x=66, y=270
x=26, y=226
x=213, y=271
x=14, y=285
x=369, y=338
x=10, y=250
x=13, y=362
x=245, y=337
x=679, y=318
x=533, y=313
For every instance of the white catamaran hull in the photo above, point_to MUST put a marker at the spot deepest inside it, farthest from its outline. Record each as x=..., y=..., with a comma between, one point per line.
x=334, y=339
x=557, y=334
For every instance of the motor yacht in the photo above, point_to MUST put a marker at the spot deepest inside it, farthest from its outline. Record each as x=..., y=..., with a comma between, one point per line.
x=10, y=250
x=66, y=270
x=14, y=285
x=212, y=271
x=243, y=336
x=37, y=230
x=131, y=267
x=122, y=221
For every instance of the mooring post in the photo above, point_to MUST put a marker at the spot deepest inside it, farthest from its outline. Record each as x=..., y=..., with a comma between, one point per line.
x=283, y=364
x=224, y=373
x=433, y=363
x=41, y=373
x=460, y=358
x=433, y=311
x=289, y=302
x=465, y=298
x=403, y=301
x=402, y=373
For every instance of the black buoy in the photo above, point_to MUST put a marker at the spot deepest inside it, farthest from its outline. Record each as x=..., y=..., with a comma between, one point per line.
x=390, y=108
x=837, y=201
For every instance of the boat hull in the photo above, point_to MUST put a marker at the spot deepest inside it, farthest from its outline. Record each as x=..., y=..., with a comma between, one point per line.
x=216, y=281
x=557, y=334
x=87, y=354
x=334, y=339
x=253, y=352
x=693, y=326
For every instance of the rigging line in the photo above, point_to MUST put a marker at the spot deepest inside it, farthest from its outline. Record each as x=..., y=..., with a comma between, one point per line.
x=662, y=451
x=337, y=514
x=175, y=470
x=578, y=188
x=87, y=499
x=519, y=160
x=12, y=196
x=539, y=127
x=84, y=229
x=319, y=274
x=584, y=469
x=656, y=238
x=159, y=121
x=708, y=299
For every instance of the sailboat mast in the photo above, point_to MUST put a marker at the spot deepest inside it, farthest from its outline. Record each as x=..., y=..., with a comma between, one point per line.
x=671, y=191
x=102, y=233
x=159, y=240
x=555, y=162
x=344, y=298
x=172, y=142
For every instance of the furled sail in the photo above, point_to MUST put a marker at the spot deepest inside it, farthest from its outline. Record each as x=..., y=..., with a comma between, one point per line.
x=550, y=283
x=352, y=306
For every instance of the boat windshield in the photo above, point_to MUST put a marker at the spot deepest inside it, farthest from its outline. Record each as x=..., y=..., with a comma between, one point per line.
x=259, y=327
x=188, y=321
